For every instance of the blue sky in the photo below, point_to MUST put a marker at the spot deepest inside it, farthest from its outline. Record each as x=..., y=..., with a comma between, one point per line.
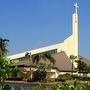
x=30, y=24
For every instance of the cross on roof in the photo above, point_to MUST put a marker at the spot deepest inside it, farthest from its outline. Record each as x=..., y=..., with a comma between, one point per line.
x=76, y=7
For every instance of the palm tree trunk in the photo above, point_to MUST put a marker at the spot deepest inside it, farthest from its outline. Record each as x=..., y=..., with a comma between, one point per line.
x=72, y=69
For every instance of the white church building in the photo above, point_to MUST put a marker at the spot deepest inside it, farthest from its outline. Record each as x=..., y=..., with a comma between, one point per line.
x=68, y=47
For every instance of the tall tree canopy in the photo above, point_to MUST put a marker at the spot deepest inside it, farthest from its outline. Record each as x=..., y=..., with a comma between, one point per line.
x=72, y=58
x=82, y=66
x=3, y=45
x=43, y=56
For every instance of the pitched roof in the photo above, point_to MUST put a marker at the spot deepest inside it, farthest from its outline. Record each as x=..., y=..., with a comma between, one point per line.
x=62, y=62
x=26, y=62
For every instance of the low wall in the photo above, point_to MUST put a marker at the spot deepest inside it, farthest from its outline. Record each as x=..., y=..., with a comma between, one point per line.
x=25, y=85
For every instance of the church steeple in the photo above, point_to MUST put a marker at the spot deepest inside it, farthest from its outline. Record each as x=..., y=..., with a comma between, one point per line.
x=75, y=28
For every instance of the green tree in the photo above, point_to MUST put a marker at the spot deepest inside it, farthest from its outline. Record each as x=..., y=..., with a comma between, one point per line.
x=41, y=72
x=72, y=58
x=41, y=68
x=4, y=69
x=14, y=71
x=28, y=56
x=82, y=66
x=4, y=62
x=43, y=56
x=88, y=68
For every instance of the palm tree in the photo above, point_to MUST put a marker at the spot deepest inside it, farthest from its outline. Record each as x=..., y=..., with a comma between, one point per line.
x=72, y=58
x=4, y=64
x=3, y=45
x=43, y=56
x=28, y=56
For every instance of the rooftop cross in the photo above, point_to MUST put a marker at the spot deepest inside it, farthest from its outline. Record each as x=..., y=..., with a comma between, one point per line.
x=76, y=7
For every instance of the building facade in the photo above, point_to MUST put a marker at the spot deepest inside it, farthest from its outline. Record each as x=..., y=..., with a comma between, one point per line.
x=61, y=51
x=69, y=45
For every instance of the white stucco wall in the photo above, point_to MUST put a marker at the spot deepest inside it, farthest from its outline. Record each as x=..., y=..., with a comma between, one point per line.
x=39, y=50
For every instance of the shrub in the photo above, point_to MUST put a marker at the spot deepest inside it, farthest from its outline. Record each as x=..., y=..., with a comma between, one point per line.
x=15, y=78
x=60, y=78
x=53, y=88
x=39, y=75
x=87, y=86
x=82, y=78
x=39, y=87
x=64, y=77
x=41, y=72
x=6, y=87
x=50, y=79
